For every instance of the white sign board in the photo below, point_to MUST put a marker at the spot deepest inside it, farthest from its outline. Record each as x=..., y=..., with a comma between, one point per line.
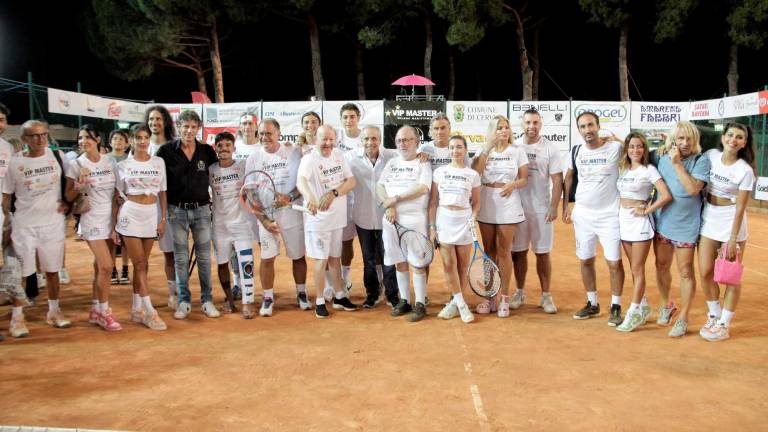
x=470, y=119
x=83, y=104
x=614, y=118
x=761, y=189
x=288, y=114
x=658, y=115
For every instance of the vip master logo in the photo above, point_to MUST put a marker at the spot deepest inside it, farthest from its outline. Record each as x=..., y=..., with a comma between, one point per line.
x=458, y=112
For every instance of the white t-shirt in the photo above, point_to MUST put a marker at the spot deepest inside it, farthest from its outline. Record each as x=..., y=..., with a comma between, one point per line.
x=243, y=151
x=226, y=184
x=598, y=172
x=101, y=180
x=400, y=176
x=726, y=181
x=543, y=162
x=439, y=156
x=36, y=182
x=346, y=143
x=637, y=183
x=454, y=185
x=6, y=152
x=282, y=166
x=502, y=167
x=324, y=174
x=366, y=213
x=141, y=178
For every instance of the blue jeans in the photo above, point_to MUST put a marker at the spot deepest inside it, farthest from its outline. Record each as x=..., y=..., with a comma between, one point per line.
x=198, y=221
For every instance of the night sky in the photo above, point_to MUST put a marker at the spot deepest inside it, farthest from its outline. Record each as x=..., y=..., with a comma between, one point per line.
x=271, y=61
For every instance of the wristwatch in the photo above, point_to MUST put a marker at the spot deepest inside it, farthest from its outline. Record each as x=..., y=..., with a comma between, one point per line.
x=335, y=192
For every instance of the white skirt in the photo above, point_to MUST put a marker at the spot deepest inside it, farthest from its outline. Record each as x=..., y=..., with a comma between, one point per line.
x=96, y=225
x=137, y=220
x=453, y=226
x=635, y=228
x=717, y=222
x=495, y=209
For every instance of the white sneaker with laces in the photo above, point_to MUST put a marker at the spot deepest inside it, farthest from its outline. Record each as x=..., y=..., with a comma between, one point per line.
x=182, y=311
x=711, y=323
x=466, y=313
x=449, y=311
x=517, y=300
x=210, y=310
x=548, y=304
x=266, y=307
x=173, y=302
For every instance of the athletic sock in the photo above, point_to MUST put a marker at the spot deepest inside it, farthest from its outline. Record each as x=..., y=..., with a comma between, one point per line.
x=320, y=301
x=616, y=300
x=103, y=307
x=269, y=293
x=17, y=311
x=592, y=297
x=95, y=305
x=420, y=287
x=403, y=284
x=147, y=302
x=633, y=307
x=520, y=291
x=726, y=317
x=301, y=288
x=644, y=301
x=136, y=302
x=53, y=305
x=380, y=272
x=345, y=274
x=171, y=288
x=340, y=294
x=714, y=308
x=458, y=299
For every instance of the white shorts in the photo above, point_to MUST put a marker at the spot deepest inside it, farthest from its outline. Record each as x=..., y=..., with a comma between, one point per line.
x=253, y=224
x=592, y=225
x=138, y=220
x=47, y=242
x=321, y=245
x=225, y=241
x=453, y=227
x=717, y=222
x=634, y=228
x=96, y=226
x=293, y=238
x=393, y=254
x=498, y=210
x=534, y=232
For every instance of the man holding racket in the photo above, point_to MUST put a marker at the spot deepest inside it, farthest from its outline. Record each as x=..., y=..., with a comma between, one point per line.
x=404, y=192
x=281, y=163
x=324, y=179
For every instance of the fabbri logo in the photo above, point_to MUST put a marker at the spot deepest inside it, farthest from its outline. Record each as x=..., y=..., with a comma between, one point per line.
x=607, y=113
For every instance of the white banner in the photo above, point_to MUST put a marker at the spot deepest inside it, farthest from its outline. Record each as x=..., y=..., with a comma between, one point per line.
x=707, y=109
x=288, y=114
x=371, y=113
x=555, y=117
x=614, y=118
x=658, y=115
x=176, y=109
x=471, y=119
x=83, y=104
x=761, y=190
x=226, y=117
x=742, y=105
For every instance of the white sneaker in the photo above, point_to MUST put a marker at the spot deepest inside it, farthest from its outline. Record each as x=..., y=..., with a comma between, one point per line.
x=173, y=302
x=40, y=280
x=466, y=313
x=182, y=311
x=548, y=304
x=18, y=328
x=63, y=276
x=210, y=310
x=266, y=307
x=517, y=300
x=303, y=301
x=449, y=311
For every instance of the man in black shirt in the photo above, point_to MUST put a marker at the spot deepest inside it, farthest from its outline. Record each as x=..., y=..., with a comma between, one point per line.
x=186, y=164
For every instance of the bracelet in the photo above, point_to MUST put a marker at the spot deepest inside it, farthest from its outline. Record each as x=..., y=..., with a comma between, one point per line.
x=432, y=226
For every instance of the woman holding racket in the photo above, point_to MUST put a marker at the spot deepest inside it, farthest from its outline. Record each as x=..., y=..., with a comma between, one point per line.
x=454, y=200
x=141, y=182
x=724, y=220
x=403, y=189
x=503, y=169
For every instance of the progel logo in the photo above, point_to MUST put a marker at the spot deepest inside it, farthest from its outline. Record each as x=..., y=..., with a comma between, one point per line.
x=607, y=113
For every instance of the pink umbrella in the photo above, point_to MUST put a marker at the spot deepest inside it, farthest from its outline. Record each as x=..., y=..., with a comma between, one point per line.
x=413, y=80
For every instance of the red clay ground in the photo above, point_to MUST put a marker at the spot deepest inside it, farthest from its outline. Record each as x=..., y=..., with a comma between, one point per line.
x=367, y=371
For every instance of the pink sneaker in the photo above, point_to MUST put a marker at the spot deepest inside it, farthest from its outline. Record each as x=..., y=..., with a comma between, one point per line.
x=487, y=306
x=93, y=316
x=107, y=321
x=503, y=310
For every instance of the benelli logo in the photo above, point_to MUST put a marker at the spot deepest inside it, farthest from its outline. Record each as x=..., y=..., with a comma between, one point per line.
x=607, y=113
x=542, y=107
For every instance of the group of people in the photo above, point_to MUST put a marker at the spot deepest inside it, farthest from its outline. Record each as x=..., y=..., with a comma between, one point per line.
x=626, y=196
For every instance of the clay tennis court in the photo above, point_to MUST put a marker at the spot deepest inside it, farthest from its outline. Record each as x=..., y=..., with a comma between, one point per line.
x=365, y=370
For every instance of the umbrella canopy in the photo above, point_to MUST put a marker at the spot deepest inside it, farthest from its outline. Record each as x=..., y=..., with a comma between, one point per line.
x=413, y=80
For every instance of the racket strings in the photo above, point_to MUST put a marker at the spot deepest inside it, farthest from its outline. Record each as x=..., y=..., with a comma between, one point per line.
x=484, y=277
x=419, y=249
x=259, y=195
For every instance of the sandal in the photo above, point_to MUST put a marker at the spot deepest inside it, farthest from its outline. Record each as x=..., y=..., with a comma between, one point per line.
x=503, y=307
x=487, y=306
x=249, y=311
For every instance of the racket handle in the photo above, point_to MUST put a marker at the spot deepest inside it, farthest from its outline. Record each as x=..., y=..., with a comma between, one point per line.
x=300, y=208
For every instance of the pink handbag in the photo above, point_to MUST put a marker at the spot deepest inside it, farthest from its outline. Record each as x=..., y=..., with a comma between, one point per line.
x=728, y=272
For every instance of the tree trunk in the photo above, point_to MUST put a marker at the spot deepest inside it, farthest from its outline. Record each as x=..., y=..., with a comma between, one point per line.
x=317, y=70
x=733, y=70
x=536, y=65
x=360, y=71
x=623, y=79
x=525, y=68
x=201, y=86
x=428, y=51
x=218, y=75
x=451, y=75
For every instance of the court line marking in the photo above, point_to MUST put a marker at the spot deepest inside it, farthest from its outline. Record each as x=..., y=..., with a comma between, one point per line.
x=757, y=246
x=755, y=271
x=477, y=400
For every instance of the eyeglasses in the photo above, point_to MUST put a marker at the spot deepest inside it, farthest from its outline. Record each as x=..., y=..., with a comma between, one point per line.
x=43, y=135
x=404, y=140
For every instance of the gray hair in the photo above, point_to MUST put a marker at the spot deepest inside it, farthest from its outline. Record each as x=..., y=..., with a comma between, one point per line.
x=29, y=124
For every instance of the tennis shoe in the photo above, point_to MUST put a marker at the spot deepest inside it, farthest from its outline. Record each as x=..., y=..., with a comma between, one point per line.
x=666, y=314
x=503, y=310
x=108, y=322
x=114, y=280
x=209, y=309
x=154, y=322
x=466, y=313
x=392, y=301
x=344, y=303
x=124, y=279
x=719, y=332
x=547, y=303
x=182, y=311
x=93, y=316
x=302, y=301
x=632, y=321
x=450, y=311
x=18, y=328
x=137, y=316
x=328, y=294
x=517, y=300
x=487, y=306
x=57, y=319
x=711, y=323
x=646, y=311
x=615, y=318
x=418, y=313
x=321, y=311
x=402, y=308
x=679, y=329
x=371, y=300
x=173, y=302
x=266, y=307
x=587, y=312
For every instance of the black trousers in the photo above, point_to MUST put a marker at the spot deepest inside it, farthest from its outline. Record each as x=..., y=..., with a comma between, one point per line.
x=373, y=247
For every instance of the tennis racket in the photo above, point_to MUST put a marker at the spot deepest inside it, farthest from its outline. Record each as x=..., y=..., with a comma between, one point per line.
x=259, y=195
x=483, y=273
x=417, y=248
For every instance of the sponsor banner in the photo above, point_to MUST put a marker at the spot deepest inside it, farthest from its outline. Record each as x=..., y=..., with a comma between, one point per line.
x=471, y=119
x=741, y=105
x=761, y=189
x=763, y=97
x=83, y=104
x=412, y=113
x=371, y=112
x=226, y=117
x=176, y=109
x=658, y=115
x=555, y=119
x=614, y=118
x=288, y=114
x=707, y=109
